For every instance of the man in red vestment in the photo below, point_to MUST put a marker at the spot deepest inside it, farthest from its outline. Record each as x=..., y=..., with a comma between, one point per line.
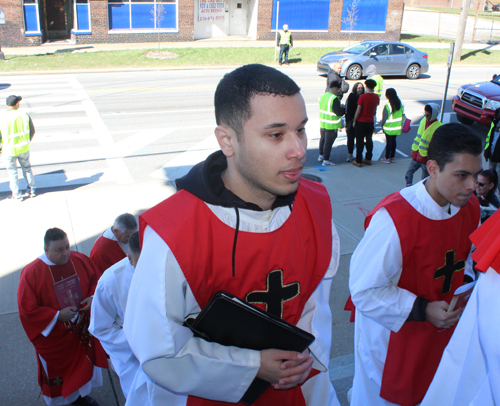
x=111, y=247
x=414, y=255
x=54, y=298
x=243, y=221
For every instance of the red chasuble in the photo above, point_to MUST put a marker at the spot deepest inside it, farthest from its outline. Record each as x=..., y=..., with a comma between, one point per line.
x=277, y=271
x=105, y=253
x=69, y=350
x=434, y=255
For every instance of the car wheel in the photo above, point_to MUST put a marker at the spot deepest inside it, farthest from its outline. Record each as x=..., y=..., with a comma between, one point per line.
x=354, y=72
x=413, y=71
x=464, y=120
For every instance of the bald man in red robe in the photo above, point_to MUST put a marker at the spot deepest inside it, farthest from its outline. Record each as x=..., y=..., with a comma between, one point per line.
x=54, y=298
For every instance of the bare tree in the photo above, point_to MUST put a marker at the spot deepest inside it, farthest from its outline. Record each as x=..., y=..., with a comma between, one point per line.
x=352, y=17
x=158, y=13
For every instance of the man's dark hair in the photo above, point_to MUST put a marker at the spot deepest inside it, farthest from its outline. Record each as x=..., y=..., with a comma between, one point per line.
x=133, y=243
x=236, y=89
x=370, y=84
x=336, y=84
x=453, y=139
x=53, y=234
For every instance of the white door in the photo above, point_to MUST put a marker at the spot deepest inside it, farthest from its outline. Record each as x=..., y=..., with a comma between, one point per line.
x=238, y=17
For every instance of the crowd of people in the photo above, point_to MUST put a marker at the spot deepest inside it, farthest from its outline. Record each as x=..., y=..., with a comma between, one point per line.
x=244, y=221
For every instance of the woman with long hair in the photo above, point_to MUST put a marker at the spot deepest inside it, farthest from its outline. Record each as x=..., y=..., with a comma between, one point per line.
x=392, y=123
x=350, y=109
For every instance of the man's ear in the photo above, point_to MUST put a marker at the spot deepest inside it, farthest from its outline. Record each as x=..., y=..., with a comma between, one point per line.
x=432, y=168
x=225, y=137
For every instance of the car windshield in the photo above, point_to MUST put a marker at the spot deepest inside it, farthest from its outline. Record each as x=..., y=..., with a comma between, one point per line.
x=359, y=48
x=496, y=80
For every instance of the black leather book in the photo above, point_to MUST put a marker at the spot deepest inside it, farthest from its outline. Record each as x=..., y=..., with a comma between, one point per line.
x=230, y=321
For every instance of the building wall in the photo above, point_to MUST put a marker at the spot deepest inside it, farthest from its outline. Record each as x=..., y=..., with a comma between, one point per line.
x=100, y=34
x=392, y=32
x=12, y=33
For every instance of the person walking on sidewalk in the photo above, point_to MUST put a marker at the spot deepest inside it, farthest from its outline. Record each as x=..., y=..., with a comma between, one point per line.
x=492, y=146
x=330, y=113
x=285, y=43
x=16, y=132
x=363, y=124
x=392, y=124
x=404, y=272
x=350, y=109
x=426, y=129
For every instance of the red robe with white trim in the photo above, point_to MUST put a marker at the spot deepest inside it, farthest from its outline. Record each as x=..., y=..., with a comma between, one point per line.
x=105, y=253
x=434, y=257
x=69, y=351
x=277, y=271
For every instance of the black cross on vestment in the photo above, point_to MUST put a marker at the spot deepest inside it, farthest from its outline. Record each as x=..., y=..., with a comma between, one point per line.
x=276, y=293
x=448, y=270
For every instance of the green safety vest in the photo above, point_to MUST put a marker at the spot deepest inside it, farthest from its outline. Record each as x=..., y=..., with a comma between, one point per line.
x=285, y=37
x=327, y=118
x=423, y=138
x=378, y=88
x=488, y=137
x=394, y=123
x=15, y=132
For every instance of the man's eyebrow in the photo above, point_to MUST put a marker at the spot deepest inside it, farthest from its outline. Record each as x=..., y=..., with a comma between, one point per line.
x=277, y=125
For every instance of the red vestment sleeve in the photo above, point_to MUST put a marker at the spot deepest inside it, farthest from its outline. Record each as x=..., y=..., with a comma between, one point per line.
x=35, y=317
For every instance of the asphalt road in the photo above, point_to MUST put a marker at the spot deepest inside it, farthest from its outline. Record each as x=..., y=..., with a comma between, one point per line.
x=130, y=127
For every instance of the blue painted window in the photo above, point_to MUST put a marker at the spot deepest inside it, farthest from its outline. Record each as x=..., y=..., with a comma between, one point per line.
x=364, y=15
x=138, y=14
x=302, y=15
x=31, y=16
x=82, y=15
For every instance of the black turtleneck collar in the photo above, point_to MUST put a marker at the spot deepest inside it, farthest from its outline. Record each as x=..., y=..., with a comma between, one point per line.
x=205, y=182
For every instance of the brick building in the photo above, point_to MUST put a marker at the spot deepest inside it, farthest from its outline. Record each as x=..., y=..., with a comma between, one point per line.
x=33, y=22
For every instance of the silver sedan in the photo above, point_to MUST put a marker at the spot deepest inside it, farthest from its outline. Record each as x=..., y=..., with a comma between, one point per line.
x=390, y=58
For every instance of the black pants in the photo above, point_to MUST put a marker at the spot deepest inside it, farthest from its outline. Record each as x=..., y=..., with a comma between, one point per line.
x=364, y=137
x=351, y=135
x=284, y=49
x=390, y=146
x=326, y=141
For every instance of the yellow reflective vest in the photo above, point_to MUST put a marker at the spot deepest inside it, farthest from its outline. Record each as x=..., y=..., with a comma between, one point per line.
x=424, y=136
x=394, y=122
x=378, y=88
x=285, y=37
x=15, y=132
x=327, y=118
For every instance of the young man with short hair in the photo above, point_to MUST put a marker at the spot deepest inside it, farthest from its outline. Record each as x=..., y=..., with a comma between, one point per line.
x=364, y=125
x=415, y=253
x=244, y=222
x=428, y=125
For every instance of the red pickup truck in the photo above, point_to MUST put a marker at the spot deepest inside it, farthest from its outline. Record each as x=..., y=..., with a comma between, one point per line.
x=477, y=102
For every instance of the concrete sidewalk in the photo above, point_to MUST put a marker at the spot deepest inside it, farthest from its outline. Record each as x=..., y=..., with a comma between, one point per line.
x=226, y=42
x=84, y=214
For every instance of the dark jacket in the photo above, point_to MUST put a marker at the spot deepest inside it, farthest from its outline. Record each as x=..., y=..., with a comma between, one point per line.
x=489, y=154
x=350, y=109
x=335, y=77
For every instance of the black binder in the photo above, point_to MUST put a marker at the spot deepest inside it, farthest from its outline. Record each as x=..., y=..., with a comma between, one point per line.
x=230, y=321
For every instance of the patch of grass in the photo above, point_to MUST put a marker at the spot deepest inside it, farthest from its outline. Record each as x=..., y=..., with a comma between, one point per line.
x=472, y=12
x=200, y=57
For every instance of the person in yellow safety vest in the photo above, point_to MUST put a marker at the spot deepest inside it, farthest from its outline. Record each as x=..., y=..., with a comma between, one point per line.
x=330, y=114
x=425, y=131
x=492, y=146
x=392, y=124
x=16, y=132
x=371, y=72
x=285, y=43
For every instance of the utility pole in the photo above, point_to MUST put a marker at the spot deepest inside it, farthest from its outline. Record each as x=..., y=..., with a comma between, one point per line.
x=461, y=29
